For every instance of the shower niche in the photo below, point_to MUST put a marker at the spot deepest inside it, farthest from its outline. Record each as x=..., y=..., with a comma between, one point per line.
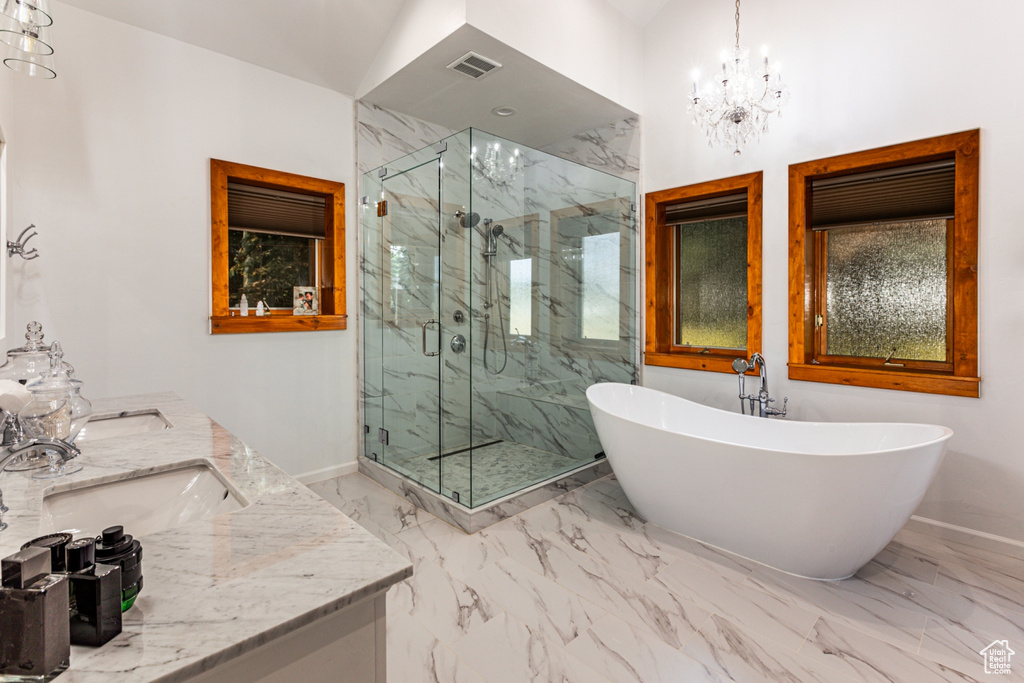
x=499, y=282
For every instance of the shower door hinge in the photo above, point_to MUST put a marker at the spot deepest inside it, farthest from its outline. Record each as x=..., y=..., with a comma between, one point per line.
x=441, y=147
x=381, y=172
x=382, y=436
x=632, y=208
x=382, y=208
x=365, y=200
x=366, y=429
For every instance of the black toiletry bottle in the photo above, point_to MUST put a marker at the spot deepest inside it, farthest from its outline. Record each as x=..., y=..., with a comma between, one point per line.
x=114, y=546
x=95, y=595
x=35, y=640
x=56, y=543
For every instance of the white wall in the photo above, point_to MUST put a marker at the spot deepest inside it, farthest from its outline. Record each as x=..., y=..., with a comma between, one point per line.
x=865, y=75
x=588, y=41
x=111, y=162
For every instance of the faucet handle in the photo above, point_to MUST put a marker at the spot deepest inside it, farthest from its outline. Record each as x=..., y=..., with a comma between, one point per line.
x=775, y=411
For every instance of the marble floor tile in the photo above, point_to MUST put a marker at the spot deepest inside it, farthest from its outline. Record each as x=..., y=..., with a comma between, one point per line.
x=416, y=656
x=580, y=588
x=649, y=605
x=906, y=561
x=863, y=658
x=446, y=606
x=775, y=616
x=711, y=558
x=458, y=553
x=385, y=510
x=625, y=548
x=606, y=488
x=880, y=611
x=997, y=585
x=960, y=649
x=739, y=655
x=539, y=603
x=622, y=652
x=507, y=651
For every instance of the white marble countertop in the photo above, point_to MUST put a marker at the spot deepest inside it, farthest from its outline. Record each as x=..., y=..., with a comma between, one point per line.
x=217, y=588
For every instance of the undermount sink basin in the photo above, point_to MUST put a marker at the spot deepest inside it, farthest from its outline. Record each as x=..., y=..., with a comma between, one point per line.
x=123, y=424
x=143, y=505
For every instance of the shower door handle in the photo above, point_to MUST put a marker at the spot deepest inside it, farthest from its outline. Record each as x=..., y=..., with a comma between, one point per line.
x=431, y=353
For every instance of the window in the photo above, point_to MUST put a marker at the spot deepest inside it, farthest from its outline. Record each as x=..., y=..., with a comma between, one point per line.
x=591, y=250
x=883, y=267
x=272, y=232
x=703, y=289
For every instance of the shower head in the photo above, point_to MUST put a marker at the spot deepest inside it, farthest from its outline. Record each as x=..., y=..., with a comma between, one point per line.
x=497, y=230
x=740, y=365
x=467, y=220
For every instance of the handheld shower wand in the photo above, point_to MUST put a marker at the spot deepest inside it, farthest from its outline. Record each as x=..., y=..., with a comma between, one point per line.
x=490, y=252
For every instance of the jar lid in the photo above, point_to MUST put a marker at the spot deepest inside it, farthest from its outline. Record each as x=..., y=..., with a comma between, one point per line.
x=57, y=378
x=35, y=344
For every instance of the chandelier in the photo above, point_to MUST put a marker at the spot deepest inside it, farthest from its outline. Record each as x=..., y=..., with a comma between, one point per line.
x=735, y=108
x=500, y=167
x=24, y=25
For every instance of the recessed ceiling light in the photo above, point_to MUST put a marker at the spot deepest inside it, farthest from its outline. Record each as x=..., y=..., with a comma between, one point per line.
x=503, y=111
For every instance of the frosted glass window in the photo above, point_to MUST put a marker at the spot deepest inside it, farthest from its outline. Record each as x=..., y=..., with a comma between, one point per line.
x=520, y=294
x=712, y=284
x=600, y=287
x=886, y=291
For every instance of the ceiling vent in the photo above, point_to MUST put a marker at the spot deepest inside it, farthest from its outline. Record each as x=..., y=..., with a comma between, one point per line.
x=475, y=66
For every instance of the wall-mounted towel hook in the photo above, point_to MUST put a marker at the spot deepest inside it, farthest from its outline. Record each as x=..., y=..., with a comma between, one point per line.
x=18, y=245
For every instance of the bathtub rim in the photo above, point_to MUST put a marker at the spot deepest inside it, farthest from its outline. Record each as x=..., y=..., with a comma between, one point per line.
x=945, y=433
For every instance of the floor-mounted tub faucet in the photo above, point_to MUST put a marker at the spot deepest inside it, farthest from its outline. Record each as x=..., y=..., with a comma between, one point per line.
x=762, y=400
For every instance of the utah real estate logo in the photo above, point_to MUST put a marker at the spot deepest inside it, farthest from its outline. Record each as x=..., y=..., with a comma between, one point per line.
x=997, y=657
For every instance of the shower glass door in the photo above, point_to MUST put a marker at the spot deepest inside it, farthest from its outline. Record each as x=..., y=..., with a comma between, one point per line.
x=410, y=228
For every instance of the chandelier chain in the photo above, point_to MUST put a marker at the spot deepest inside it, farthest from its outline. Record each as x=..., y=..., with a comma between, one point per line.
x=737, y=23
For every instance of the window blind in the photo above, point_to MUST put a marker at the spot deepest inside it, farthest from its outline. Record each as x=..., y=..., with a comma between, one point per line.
x=729, y=206
x=917, y=192
x=277, y=212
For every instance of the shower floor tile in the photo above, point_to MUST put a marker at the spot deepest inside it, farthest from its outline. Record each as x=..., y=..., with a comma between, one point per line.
x=552, y=595
x=498, y=469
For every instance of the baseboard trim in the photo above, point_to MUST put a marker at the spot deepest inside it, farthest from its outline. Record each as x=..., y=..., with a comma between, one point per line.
x=328, y=473
x=969, y=532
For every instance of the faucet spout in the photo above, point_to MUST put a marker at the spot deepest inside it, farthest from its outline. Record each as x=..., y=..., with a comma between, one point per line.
x=762, y=399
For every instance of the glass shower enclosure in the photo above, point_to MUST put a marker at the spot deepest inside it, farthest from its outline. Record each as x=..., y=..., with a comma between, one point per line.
x=499, y=282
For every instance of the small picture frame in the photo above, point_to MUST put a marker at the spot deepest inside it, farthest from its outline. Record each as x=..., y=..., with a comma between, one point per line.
x=305, y=301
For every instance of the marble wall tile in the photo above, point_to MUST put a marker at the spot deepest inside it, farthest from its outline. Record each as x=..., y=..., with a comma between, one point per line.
x=468, y=384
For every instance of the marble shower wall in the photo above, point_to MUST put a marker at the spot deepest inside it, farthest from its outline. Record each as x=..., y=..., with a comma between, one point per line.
x=537, y=399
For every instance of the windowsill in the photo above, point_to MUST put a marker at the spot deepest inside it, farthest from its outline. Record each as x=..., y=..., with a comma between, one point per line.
x=235, y=324
x=693, y=361
x=901, y=380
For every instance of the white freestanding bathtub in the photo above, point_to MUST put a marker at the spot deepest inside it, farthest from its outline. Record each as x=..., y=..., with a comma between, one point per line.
x=815, y=499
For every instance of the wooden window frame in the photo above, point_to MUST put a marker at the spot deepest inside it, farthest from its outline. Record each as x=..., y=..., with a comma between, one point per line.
x=660, y=286
x=956, y=377
x=330, y=251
